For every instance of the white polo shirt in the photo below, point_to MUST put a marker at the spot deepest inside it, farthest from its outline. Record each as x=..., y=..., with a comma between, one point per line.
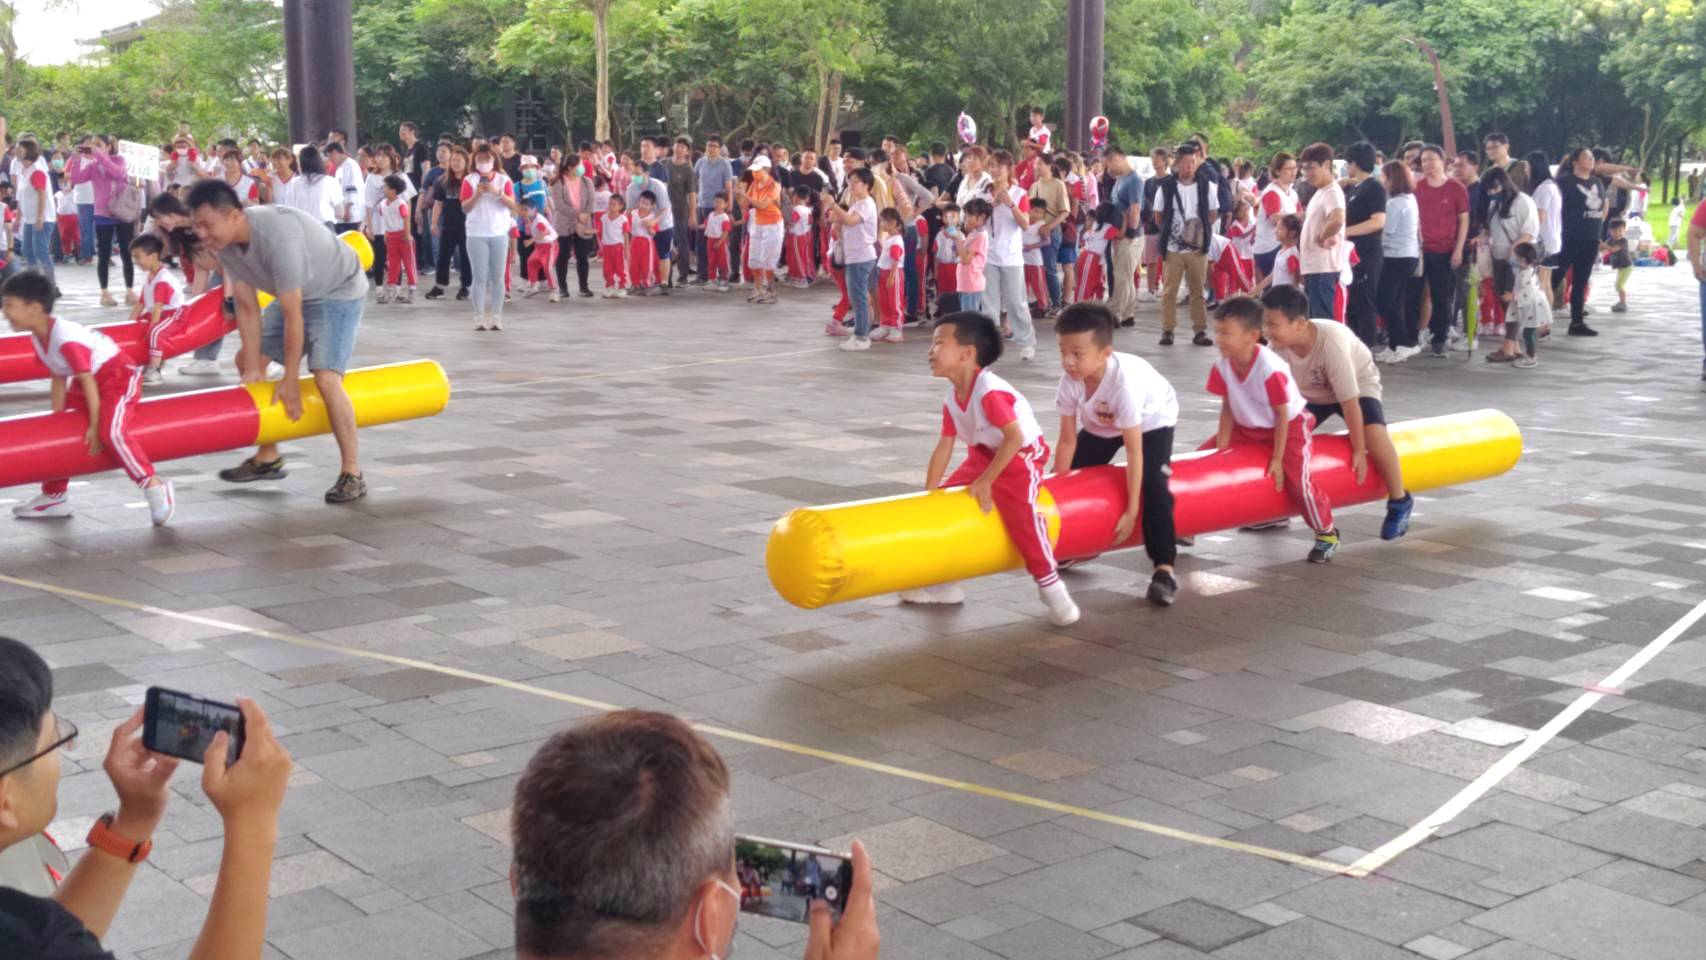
x=992, y=405
x=1132, y=394
x=1252, y=397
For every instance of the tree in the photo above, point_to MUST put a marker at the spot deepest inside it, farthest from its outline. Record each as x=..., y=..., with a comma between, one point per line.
x=1169, y=66
x=1655, y=49
x=402, y=74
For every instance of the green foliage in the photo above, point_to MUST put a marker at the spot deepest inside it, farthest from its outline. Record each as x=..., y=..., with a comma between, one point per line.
x=401, y=73
x=1656, y=49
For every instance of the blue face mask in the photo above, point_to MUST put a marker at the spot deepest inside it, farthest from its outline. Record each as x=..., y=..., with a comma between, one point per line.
x=530, y=174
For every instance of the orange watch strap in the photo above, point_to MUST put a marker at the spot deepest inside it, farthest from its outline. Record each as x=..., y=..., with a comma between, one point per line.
x=101, y=837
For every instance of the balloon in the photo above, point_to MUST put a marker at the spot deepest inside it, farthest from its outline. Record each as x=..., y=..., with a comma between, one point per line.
x=968, y=128
x=1098, y=132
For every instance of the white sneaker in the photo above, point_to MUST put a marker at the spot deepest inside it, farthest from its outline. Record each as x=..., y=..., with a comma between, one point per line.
x=556, y=297
x=1028, y=353
x=1145, y=295
x=1404, y=353
x=409, y=294
x=494, y=322
x=275, y=371
x=384, y=295
x=880, y=335
x=621, y=293
x=940, y=593
x=1062, y=612
x=199, y=368
x=855, y=343
x=152, y=376
x=44, y=506
x=530, y=291
x=480, y=323
x=161, y=503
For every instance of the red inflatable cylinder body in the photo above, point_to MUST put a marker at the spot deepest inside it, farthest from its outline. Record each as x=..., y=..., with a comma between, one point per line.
x=203, y=322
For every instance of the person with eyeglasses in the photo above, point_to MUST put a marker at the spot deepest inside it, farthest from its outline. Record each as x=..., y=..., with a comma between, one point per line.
x=71, y=924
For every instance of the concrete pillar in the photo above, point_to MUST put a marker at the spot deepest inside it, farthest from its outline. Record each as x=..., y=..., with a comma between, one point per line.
x=319, y=44
x=1084, y=54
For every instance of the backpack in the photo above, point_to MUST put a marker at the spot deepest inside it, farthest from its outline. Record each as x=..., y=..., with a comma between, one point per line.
x=125, y=205
x=1194, y=233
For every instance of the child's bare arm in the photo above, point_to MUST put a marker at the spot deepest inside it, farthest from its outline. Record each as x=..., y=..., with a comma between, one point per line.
x=92, y=403
x=1223, y=437
x=57, y=393
x=1066, y=444
x=1276, y=466
x=938, y=463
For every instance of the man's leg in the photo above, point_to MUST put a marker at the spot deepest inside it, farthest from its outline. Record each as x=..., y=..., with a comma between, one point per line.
x=1122, y=289
x=1196, y=273
x=1051, y=270
x=341, y=413
x=1174, y=267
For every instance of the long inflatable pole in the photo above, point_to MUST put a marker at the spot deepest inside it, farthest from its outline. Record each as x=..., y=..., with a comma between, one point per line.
x=822, y=555
x=46, y=446
x=203, y=322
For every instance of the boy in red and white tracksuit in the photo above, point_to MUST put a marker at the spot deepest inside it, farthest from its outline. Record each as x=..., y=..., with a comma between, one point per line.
x=392, y=213
x=891, y=280
x=544, y=255
x=89, y=376
x=947, y=256
x=613, y=248
x=801, y=269
x=718, y=226
x=1093, y=262
x=1261, y=406
x=1036, y=284
x=161, y=305
x=1006, y=455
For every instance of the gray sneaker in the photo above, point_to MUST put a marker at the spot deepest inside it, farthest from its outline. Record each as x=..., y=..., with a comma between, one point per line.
x=251, y=470
x=349, y=488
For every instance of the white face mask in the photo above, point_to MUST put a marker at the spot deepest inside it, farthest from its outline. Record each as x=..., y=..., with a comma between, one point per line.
x=699, y=938
x=483, y=167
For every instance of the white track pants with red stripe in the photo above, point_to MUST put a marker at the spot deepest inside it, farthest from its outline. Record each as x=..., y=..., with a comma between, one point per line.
x=1015, y=496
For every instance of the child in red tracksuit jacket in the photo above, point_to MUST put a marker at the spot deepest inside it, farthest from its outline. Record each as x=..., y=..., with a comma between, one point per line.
x=92, y=376
x=1260, y=405
x=891, y=277
x=802, y=270
x=1093, y=258
x=1006, y=456
x=642, y=248
x=613, y=233
x=947, y=257
x=161, y=305
x=393, y=218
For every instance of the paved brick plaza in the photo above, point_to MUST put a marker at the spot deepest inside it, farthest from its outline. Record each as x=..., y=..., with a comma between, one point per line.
x=589, y=518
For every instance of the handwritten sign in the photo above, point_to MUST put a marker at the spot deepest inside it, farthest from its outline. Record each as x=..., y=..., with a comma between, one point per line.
x=141, y=160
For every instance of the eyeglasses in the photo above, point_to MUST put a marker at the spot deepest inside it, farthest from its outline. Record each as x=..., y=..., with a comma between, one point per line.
x=64, y=732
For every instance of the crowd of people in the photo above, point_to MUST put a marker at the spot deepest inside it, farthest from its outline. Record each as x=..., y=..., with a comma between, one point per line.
x=1404, y=249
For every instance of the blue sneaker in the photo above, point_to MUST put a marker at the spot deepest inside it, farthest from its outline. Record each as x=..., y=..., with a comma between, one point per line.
x=1326, y=544
x=1397, y=517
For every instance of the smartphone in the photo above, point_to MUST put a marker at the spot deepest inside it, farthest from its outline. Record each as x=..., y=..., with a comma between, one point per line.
x=182, y=725
x=780, y=879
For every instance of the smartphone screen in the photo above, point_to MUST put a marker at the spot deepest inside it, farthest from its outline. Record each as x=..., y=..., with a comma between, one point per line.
x=181, y=725
x=780, y=879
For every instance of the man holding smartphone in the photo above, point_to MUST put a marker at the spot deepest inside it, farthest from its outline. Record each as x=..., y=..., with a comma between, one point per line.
x=624, y=847
x=72, y=924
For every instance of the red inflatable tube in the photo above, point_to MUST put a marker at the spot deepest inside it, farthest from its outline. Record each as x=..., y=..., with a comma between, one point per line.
x=203, y=322
x=1211, y=491
x=43, y=446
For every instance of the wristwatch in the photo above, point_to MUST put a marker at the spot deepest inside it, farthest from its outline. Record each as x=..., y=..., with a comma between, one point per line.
x=102, y=837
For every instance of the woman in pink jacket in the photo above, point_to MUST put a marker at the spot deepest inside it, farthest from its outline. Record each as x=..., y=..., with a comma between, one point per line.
x=105, y=169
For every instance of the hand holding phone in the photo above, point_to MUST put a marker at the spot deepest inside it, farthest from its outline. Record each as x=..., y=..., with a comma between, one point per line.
x=782, y=880
x=184, y=726
x=854, y=935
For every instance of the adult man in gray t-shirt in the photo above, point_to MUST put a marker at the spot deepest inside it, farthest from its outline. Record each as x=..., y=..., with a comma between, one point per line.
x=713, y=177
x=319, y=290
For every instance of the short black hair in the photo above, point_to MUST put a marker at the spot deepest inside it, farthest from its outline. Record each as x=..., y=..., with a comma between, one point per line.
x=938, y=148
x=1038, y=203
x=26, y=683
x=648, y=195
x=1244, y=311
x=1361, y=153
x=1615, y=223
x=31, y=286
x=979, y=207
x=1287, y=300
x=864, y=176
x=397, y=183
x=213, y=193
x=148, y=243
x=746, y=145
x=1471, y=156
x=1496, y=137
x=1527, y=253
x=336, y=146
x=1092, y=318
x=973, y=329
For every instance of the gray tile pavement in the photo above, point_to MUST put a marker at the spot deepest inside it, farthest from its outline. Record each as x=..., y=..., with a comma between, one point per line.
x=589, y=515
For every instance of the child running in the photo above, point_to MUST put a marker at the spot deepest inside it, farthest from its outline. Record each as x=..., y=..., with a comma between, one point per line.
x=717, y=228
x=1260, y=405
x=613, y=236
x=543, y=255
x=1335, y=372
x=1005, y=456
x=1107, y=401
x=91, y=375
x=161, y=305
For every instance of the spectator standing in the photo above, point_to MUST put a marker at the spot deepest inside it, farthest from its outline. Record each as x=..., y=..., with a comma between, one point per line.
x=1365, y=226
x=1400, y=270
x=1549, y=207
x=1126, y=195
x=1582, y=215
x=713, y=176
x=1443, y=208
x=1697, y=262
x=105, y=170
x=1277, y=200
x=1190, y=206
x=682, y=202
x=1324, y=252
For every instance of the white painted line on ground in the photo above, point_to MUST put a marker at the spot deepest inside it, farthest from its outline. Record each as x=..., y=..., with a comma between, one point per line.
x=1510, y=761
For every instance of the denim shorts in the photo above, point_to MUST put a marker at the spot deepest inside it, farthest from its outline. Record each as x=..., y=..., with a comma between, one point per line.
x=328, y=332
x=664, y=242
x=1066, y=254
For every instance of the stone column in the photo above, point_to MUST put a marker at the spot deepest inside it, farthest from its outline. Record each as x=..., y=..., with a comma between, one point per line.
x=319, y=58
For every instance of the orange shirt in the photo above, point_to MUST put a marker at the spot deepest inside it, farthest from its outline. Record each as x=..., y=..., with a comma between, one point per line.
x=768, y=190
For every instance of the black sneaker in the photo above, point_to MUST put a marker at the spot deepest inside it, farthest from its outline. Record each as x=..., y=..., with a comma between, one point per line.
x=436, y=293
x=462, y=294
x=1129, y=322
x=1166, y=338
x=585, y=292
x=349, y=488
x=663, y=291
x=251, y=470
x=1162, y=589
x=1202, y=339
x=1185, y=541
x=1279, y=524
x=1582, y=330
